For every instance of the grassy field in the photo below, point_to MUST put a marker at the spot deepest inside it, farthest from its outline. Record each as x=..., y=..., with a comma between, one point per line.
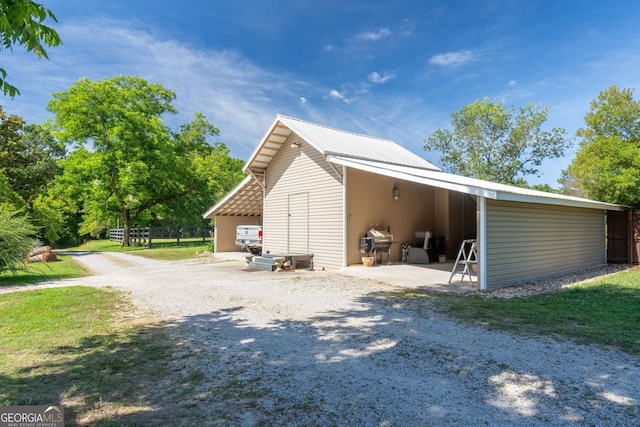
x=171, y=252
x=64, y=268
x=605, y=311
x=80, y=347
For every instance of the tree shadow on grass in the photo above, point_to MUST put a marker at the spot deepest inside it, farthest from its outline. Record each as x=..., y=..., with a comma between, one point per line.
x=375, y=363
x=105, y=380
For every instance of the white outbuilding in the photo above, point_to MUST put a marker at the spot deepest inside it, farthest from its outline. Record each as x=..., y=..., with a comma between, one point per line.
x=318, y=190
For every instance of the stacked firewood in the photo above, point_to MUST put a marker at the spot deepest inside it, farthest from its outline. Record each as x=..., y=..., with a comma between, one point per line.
x=42, y=254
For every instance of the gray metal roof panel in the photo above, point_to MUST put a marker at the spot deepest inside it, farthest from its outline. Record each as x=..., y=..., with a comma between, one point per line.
x=331, y=141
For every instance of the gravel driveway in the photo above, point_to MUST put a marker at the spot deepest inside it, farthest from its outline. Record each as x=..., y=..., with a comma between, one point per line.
x=318, y=348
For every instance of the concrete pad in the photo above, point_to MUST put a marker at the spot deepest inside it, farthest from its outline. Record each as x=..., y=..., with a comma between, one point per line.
x=429, y=277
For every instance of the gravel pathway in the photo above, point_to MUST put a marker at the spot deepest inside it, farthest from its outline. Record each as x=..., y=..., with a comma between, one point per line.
x=318, y=348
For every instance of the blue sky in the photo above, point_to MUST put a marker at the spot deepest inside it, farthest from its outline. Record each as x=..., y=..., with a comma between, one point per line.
x=393, y=69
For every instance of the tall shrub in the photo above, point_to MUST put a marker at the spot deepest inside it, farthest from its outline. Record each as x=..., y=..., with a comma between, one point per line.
x=15, y=239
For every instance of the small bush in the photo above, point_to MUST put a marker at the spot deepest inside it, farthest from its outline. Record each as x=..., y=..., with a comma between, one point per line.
x=15, y=239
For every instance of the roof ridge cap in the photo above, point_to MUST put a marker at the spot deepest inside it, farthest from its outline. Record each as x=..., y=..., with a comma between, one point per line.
x=282, y=116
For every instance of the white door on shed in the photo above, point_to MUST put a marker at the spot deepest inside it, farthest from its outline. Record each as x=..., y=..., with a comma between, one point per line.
x=298, y=226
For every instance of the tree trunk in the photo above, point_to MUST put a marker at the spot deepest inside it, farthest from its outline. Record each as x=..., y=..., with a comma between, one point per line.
x=126, y=219
x=635, y=224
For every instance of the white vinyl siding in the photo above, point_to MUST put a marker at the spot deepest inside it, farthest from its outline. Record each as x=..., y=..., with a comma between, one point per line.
x=526, y=241
x=294, y=177
x=298, y=230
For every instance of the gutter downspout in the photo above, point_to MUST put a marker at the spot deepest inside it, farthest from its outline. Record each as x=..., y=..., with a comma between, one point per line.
x=482, y=243
x=345, y=213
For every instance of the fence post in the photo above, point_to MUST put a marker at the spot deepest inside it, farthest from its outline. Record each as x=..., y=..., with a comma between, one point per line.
x=178, y=233
x=150, y=236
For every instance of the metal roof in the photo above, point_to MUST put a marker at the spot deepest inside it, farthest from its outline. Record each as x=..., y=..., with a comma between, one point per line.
x=473, y=186
x=330, y=141
x=375, y=155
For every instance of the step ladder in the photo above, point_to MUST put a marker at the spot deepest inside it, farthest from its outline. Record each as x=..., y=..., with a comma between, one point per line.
x=467, y=255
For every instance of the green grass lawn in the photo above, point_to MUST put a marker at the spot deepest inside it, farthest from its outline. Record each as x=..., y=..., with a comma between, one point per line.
x=77, y=346
x=64, y=268
x=605, y=311
x=170, y=252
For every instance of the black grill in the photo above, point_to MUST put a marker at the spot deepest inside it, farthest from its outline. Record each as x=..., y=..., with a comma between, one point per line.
x=376, y=242
x=366, y=245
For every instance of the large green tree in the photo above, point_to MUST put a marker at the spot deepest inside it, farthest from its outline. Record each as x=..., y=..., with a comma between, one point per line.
x=488, y=141
x=29, y=156
x=22, y=23
x=211, y=170
x=128, y=163
x=607, y=164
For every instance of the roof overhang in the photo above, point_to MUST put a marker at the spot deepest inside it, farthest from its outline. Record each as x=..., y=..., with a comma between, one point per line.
x=268, y=147
x=244, y=200
x=472, y=186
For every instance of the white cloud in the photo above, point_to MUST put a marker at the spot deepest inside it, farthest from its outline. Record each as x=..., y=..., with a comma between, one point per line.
x=453, y=58
x=302, y=100
x=334, y=94
x=377, y=78
x=374, y=36
x=235, y=94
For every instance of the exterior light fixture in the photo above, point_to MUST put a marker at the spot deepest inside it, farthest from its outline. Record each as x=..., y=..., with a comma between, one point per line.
x=295, y=145
x=396, y=192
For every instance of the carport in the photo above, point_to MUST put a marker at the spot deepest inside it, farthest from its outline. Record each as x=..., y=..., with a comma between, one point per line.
x=522, y=234
x=242, y=206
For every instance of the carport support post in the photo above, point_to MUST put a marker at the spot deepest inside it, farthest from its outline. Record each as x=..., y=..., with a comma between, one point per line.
x=482, y=243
